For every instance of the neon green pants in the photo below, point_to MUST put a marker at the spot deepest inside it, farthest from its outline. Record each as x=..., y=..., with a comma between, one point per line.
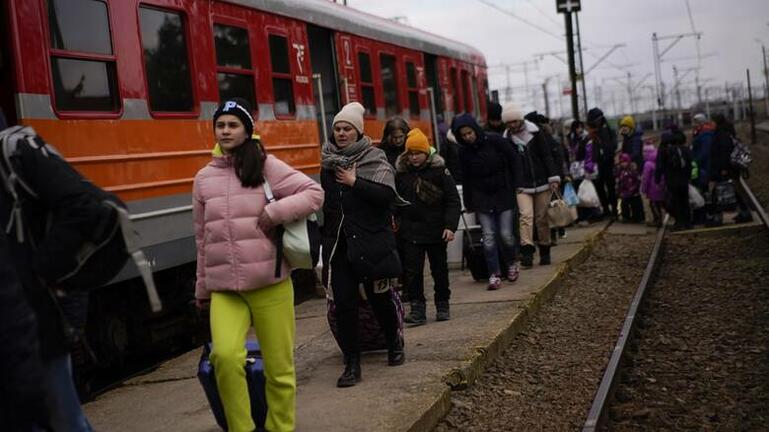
x=271, y=311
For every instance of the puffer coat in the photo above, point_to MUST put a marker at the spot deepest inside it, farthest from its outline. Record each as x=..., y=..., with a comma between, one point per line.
x=233, y=253
x=434, y=199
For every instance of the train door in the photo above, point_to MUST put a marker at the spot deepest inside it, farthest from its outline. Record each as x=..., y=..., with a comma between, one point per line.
x=431, y=73
x=323, y=59
x=7, y=86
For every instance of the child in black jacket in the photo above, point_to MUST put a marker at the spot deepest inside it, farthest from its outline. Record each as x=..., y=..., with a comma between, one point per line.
x=427, y=225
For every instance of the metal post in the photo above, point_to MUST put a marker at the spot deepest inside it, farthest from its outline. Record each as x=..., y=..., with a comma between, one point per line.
x=547, y=102
x=436, y=138
x=319, y=81
x=766, y=83
x=581, y=65
x=657, y=72
x=572, y=71
x=750, y=111
x=707, y=102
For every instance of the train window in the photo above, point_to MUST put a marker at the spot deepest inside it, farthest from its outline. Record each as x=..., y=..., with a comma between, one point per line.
x=367, y=83
x=466, y=92
x=82, y=63
x=389, y=84
x=233, y=61
x=282, y=83
x=455, y=91
x=84, y=85
x=411, y=80
x=232, y=49
x=80, y=25
x=236, y=85
x=165, y=60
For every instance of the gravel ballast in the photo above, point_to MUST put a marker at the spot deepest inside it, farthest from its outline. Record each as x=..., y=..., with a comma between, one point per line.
x=702, y=361
x=546, y=379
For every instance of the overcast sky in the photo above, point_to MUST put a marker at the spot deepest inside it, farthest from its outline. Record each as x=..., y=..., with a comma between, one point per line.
x=728, y=45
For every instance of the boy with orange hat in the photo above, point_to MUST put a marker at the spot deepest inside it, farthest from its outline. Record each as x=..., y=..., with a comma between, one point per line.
x=427, y=225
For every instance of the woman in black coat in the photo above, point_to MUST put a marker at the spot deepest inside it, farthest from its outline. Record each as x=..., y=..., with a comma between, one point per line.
x=490, y=174
x=721, y=168
x=394, y=138
x=357, y=236
x=674, y=162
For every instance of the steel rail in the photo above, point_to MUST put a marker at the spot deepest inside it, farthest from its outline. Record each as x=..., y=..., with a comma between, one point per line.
x=757, y=205
x=597, y=414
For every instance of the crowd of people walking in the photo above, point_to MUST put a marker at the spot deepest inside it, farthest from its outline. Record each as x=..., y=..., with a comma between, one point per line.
x=386, y=207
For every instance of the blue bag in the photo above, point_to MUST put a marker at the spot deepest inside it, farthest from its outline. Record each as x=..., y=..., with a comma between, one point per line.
x=570, y=195
x=254, y=376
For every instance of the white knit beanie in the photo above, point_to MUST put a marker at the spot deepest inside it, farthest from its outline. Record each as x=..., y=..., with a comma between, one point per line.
x=511, y=112
x=351, y=113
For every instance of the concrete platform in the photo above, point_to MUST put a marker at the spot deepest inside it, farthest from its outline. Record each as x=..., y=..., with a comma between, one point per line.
x=412, y=397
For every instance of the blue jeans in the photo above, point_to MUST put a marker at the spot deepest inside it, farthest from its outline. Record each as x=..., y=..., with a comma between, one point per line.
x=62, y=400
x=498, y=236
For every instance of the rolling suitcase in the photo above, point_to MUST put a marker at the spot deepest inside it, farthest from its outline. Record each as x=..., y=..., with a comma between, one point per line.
x=254, y=376
x=472, y=252
x=472, y=249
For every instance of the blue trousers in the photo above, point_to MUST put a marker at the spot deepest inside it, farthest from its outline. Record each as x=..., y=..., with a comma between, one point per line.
x=498, y=237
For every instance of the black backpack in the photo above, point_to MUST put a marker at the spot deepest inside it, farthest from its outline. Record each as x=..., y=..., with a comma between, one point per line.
x=111, y=238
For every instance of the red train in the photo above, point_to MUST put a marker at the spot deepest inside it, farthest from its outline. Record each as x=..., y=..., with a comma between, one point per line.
x=126, y=91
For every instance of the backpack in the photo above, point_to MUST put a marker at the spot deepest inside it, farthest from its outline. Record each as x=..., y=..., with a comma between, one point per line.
x=297, y=241
x=112, y=239
x=740, y=156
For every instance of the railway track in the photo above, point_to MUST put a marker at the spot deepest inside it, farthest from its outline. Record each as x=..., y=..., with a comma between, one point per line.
x=599, y=411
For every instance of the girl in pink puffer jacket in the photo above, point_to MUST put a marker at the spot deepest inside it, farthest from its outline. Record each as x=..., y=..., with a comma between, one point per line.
x=236, y=264
x=654, y=192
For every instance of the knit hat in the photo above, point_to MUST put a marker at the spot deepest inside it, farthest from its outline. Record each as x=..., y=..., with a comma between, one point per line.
x=511, y=112
x=532, y=117
x=594, y=117
x=351, y=113
x=416, y=141
x=627, y=121
x=700, y=118
x=495, y=111
x=241, y=109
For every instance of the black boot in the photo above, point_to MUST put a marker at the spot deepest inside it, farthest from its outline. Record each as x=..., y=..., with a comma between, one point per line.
x=396, y=356
x=351, y=374
x=442, y=311
x=544, y=255
x=417, y=315
x=527, y=256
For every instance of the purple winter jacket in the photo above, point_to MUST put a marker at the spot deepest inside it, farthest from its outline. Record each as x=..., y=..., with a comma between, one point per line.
x=233, y=253
x=651, y=190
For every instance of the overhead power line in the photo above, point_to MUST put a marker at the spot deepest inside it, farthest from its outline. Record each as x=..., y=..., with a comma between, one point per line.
x=521, y=19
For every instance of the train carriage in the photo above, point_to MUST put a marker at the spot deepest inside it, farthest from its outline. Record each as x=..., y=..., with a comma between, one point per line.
x=126, y=91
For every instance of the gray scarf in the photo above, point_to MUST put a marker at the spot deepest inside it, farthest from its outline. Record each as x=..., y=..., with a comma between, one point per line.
x=371, y=163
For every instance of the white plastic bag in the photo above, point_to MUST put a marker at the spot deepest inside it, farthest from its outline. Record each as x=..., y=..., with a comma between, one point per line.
x=696, y=200
x=588, y=197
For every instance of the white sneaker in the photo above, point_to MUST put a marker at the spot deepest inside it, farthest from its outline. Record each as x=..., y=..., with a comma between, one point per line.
x=495, y=282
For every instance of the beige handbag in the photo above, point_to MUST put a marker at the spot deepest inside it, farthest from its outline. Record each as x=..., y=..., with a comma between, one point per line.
x=558, y=213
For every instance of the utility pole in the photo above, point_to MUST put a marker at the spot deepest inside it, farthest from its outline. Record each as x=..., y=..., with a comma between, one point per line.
x=766, y=83
x=750, y=111
x=567, y=7
x=581, y=65
x=659, y=84
x=547, y=102
x=572, y=67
